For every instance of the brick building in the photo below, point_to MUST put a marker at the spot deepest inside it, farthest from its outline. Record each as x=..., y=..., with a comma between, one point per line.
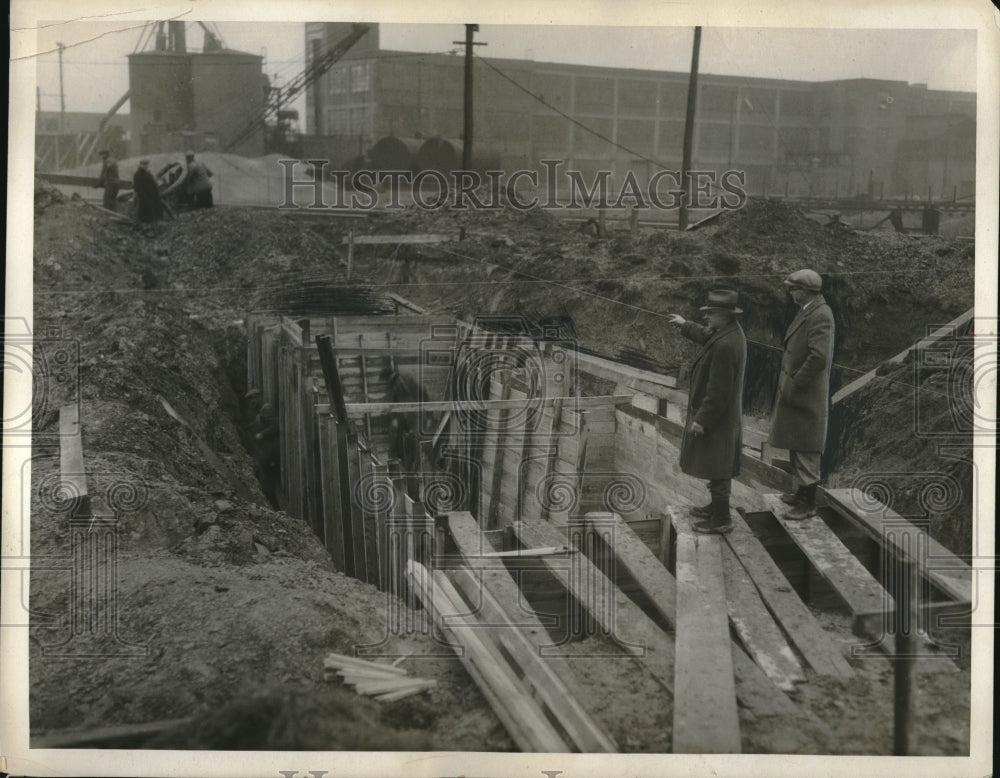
x=825, y=138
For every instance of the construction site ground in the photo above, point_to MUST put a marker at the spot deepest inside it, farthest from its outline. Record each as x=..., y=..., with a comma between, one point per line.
x=238, y=604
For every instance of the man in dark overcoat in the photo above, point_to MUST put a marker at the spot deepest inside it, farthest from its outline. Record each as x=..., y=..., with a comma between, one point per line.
x=108, y=180
x=801, y=411
x=147, y=194
x=713, y=431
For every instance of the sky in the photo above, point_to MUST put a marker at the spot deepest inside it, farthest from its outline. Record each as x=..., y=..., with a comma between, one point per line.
x=95, y=71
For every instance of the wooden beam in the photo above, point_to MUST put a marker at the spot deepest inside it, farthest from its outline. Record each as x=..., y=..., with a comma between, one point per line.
x=123, y=736
x=834, y=561
x=620, y=618
x=334, y=387
x=947, y=331
x=553, y=692
x=756, y=627
x=945, y=570
x=441, y=406
x=517, y=711
x=71, y=465
x=754, y=689
x=705, y=715
x=817, y=646
x=381, y=240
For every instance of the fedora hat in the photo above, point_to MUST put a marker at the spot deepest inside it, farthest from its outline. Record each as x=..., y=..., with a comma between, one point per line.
x=722, y=299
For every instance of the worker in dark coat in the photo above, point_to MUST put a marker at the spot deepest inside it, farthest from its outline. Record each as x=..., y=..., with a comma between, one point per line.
x=108, y=180
x=147, y=194
x=713, y=431
x=801, y=411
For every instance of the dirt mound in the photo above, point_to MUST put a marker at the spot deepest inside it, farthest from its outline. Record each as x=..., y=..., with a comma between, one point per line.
x=229, y=598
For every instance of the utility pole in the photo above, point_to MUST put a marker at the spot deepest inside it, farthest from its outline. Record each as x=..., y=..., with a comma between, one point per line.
x=470, y=30
x=62, y=109
x=692, y=102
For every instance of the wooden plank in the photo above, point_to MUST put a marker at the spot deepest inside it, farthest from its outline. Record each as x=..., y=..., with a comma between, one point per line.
x=834, y=561
x=705, y=715
x=72, y=473
x=546, y=685
x=377, y=240
x=947, y=331
x=620, y=618
x=945, y=570
x=754, y=689
x=758, y=631
x=496, y=485
x=122, y=736
x=818, y=647
x=514, y=403
x=517, y=711
x=355, y=514
x=509, y=492
x=385, y=488
x=333, y=529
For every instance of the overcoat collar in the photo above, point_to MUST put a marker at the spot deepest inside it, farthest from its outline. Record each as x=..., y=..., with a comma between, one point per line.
x=733, y=325
x=804, y=314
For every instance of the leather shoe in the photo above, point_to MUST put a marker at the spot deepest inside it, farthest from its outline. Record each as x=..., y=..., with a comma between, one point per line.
x=701, y=511
x=713, y=526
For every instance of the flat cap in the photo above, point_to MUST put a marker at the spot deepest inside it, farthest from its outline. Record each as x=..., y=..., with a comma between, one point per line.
x=808, y=280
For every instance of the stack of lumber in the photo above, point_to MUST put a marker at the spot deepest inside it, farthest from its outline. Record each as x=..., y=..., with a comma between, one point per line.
x=382, y=681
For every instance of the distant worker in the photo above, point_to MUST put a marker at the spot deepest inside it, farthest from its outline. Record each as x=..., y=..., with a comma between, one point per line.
x=147, y=194
x=108, y=179
x=802, y=407
x=713, y=432
x=404, y=444
x=198, y=182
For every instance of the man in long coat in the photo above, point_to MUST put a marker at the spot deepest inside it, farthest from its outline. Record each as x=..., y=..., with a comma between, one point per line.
x=801, y=411
x=147, y=194
x=713, y=432
x=108, y=180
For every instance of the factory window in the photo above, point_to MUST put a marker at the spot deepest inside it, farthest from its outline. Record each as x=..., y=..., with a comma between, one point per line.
x=361, y=77
x=338, y=81
x=591, y=142
x=551, y=133
x=673, y=97
x=795, y=103
x=553, y=87
x=359, y=120
x=637, y=97
x=594, y=95
x=717, y=100
x=794, y=141
x=758, y=103
x=714, y=139
x=881, y=140
x=759, y=140
x=636, y=134
x=671, y=138
x=337, y=121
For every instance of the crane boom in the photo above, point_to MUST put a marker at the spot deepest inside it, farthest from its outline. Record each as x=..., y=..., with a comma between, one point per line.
x=316, y=68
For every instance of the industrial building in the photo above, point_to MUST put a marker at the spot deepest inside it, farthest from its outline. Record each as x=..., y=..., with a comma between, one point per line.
x=181, y=98
x=832, y=138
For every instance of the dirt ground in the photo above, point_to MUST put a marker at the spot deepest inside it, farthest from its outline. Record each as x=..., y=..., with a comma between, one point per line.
x=237, y=604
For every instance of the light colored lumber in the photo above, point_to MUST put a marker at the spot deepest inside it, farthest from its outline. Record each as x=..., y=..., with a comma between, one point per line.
x=705, y=715
x=514, y=403
x=817, y=646
x=754, y=689
x=376, y=240
x=834, y=561
x=401, y=694
x=620, y=618
x=757, y=629
x=548, y=686
x=515, y=708
x=341, y=660
x=532, y=552
x=945, y=570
